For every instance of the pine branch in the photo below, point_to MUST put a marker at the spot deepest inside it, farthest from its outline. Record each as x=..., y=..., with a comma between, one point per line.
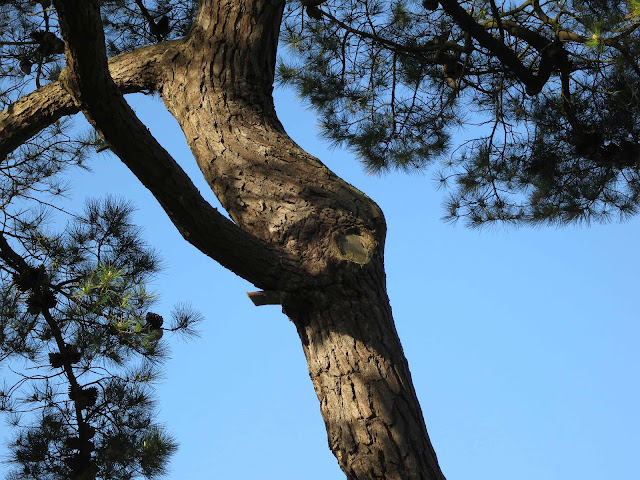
x=132, y=72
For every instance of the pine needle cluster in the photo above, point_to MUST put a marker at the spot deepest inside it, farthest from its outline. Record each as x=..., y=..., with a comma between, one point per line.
x=75, y=314
x=80, y=343
x=542, y=95
x=32, y=50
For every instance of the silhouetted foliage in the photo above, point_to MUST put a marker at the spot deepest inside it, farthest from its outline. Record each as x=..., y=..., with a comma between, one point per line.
x=553, y=83
x=75, y=312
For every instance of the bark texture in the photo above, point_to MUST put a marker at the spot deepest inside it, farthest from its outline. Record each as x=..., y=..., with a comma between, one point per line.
x=374, y=423
x=298, y=230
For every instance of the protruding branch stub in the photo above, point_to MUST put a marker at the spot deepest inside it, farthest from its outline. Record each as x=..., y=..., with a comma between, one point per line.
x=269, y=297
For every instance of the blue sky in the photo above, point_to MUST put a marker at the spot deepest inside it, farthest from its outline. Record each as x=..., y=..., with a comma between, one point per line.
x=522, y=343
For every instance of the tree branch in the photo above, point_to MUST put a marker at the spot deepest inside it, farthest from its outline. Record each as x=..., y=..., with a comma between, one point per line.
x=88, y=80
x=12, y=258
x=503, y=53
x=417, y=51
x=132, y=72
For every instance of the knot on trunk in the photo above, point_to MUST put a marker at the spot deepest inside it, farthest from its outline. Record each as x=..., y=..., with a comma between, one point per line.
x=353, y=246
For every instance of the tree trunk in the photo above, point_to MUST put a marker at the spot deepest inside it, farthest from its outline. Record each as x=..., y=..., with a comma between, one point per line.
x=359, y=372
x=219, y=89
x=313, y=241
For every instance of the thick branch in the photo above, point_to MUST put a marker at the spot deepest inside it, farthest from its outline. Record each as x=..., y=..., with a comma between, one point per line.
x=132, y=72
x=503, y=53
x=88, y=81
x=537, y=41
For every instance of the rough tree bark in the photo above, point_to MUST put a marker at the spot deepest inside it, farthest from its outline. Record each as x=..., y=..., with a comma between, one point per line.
x=299, y=232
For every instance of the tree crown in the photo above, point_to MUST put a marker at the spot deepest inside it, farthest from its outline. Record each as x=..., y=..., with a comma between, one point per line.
x=552, y=84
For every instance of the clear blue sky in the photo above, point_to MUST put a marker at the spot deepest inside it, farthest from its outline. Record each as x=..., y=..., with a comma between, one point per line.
x=523, y=343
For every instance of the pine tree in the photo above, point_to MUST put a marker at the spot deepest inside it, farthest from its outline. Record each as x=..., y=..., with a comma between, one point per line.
x=81, y=349
x=74, y=314
x=554, y=81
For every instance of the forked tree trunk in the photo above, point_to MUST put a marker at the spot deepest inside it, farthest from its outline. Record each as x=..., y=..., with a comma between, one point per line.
x=300, y=231
x=219, y=89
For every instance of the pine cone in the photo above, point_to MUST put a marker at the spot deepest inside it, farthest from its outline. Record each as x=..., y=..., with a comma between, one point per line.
x=33, y=304
x=72, y=354
x=430, y=5
x=91, y=394
x=40, y=300
x=25, y=66
x=85, y=397
x=154, y=321
x=48, y=299
x=161, y=28
x=56, y=360
x=29, y=278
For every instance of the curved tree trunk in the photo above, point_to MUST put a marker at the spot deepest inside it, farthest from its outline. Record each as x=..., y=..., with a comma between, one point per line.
x=219, y=89
x=312, y=240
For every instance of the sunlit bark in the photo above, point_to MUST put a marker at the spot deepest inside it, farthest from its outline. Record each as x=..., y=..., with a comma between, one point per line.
x=297, y=228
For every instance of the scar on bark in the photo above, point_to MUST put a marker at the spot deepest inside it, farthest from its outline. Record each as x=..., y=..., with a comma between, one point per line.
x=353, y=246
